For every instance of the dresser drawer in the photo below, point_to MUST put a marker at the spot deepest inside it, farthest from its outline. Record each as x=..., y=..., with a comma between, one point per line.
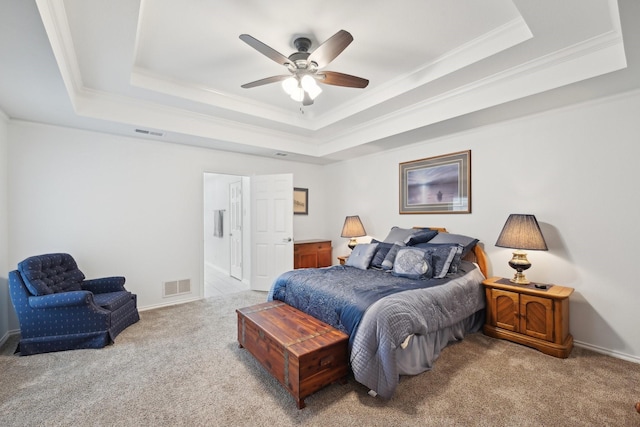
x=312, y=254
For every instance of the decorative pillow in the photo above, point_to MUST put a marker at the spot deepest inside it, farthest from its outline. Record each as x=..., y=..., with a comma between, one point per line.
x=441, y=257
x=457, y=257
x=381, y=253
x=387, y=264
x=421, y=236
x=413, y=263
x=397, y=234
x=467, y=242
x=361, y=255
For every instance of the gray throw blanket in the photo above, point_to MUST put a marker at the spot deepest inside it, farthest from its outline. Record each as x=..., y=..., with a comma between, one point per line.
x=388, y=322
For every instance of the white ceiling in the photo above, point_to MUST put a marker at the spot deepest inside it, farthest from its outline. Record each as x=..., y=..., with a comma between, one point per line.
x=175, y=67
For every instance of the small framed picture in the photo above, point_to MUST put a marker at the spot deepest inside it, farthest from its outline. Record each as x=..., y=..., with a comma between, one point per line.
x=301, y=201
x=437, y=185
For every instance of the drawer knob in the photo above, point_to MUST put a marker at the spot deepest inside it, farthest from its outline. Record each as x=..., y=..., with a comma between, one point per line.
x=326, y=360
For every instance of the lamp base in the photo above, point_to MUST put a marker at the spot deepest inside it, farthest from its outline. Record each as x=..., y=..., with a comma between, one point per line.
x=352, y=243
x=519, y=262
x=520, y=279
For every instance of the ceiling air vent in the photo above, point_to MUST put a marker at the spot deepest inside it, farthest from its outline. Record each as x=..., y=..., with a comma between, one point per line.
x=149, y=132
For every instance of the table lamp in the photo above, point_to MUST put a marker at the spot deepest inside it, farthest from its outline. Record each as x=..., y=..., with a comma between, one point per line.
x=521, y=232
x=351, y=229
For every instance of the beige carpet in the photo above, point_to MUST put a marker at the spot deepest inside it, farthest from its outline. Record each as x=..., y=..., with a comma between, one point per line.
x=181, y=366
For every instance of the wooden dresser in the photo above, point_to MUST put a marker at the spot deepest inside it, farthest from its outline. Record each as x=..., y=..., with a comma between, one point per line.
x=311, y=253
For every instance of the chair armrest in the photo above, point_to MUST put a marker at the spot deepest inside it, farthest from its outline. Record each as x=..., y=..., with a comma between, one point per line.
x=105, y=284
x=62, y=299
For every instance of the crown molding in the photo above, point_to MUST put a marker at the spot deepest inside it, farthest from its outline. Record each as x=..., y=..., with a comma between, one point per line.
x=54, y=18
x=590, y=58
x=598, y=55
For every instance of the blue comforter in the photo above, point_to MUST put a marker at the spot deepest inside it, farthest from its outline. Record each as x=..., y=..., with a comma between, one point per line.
x=340, y=295
x=379, y=311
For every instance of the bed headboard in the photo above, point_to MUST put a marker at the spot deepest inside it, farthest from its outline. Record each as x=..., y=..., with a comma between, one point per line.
x=477, y=255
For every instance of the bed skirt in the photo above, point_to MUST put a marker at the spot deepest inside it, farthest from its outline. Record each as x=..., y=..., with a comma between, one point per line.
x=423, y=350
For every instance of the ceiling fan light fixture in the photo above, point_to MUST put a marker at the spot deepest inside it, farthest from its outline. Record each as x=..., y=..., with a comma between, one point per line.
x=297, y=94
x=307, y=82
x=310, y=86
x=290, y=85
x=302, y=85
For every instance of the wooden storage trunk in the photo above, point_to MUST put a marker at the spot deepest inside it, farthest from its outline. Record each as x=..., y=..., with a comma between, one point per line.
x=301, y=352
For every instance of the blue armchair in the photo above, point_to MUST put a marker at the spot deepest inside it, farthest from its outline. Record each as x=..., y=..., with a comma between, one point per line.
x=59, y=310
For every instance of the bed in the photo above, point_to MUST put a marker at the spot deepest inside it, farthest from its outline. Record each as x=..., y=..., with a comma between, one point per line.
x=397, y=315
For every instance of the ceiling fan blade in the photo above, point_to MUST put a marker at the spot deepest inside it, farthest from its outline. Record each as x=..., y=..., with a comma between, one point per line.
x=307, y=100
x=329, y=50
x=267, y=51
x=340, y=79
x=266, y=81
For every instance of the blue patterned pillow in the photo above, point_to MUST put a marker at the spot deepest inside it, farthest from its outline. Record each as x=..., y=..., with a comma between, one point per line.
x=387, y=264
x=442, y=256
x=361, y=255
x=413, y=263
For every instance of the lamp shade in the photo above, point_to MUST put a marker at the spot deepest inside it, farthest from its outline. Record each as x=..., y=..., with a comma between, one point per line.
x=522, y=232
x=353, y=227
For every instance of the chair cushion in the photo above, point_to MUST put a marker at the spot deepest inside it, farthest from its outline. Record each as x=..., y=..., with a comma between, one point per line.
x=51, y=273
x=112, y=300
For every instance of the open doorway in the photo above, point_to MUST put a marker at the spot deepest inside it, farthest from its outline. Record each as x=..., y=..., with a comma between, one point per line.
x=262, y=208
x=226, y=245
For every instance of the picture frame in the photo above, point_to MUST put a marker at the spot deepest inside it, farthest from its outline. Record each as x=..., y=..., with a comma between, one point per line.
x=301, y=201
x=436, y=185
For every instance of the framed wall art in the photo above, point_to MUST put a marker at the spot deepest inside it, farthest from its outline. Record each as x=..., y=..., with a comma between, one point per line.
x=301, y=201
x=436, y=185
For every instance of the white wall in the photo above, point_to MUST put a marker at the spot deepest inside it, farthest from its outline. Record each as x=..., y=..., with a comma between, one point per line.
x=7, y=316
x=123, y=206
x=134, y=207
x=575, y=169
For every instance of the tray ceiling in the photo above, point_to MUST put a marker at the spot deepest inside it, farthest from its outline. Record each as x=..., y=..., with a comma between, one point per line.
x=172, y=70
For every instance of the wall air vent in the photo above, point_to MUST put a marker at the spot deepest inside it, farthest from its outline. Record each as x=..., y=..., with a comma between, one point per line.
x=149, y=132
x=176, y=287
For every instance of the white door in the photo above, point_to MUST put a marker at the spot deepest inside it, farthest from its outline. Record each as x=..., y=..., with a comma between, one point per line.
x=235, y=229
x=271, y=228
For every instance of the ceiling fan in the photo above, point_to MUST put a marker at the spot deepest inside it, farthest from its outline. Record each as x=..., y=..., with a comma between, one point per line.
x=305, y=67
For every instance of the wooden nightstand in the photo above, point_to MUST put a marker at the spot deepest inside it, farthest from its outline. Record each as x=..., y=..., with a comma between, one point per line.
x=343, y=259
x=538, y=318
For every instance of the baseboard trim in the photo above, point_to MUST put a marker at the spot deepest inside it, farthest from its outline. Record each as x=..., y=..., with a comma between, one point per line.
x=7, y=335
x=606, y=351
x=169, y=304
